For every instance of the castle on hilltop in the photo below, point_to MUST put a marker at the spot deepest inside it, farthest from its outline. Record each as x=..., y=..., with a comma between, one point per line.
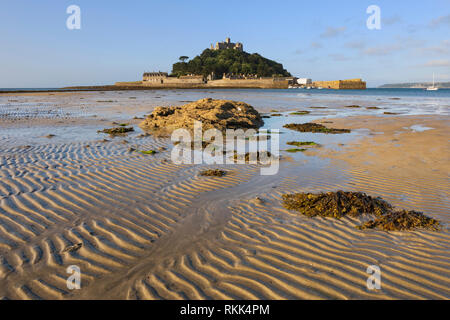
x=228, y=45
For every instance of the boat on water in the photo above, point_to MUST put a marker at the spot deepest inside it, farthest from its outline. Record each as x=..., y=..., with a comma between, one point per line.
x=432, y=88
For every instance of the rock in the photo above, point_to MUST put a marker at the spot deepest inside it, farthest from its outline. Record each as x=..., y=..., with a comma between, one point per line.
x=218, y=114
x=75, y=247
x=402, y=220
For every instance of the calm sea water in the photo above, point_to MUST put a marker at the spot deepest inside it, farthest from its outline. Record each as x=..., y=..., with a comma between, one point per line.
x=369, y=91
x=401, y=101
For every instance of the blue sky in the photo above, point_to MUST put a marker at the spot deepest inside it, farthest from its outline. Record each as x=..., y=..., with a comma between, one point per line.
x=322, y=40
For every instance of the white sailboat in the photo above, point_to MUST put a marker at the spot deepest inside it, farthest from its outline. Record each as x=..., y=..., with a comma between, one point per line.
x=432, y=88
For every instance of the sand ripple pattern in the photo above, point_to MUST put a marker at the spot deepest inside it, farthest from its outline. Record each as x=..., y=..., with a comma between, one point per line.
x=116, y=203
x=266, y=252
x=154, y=230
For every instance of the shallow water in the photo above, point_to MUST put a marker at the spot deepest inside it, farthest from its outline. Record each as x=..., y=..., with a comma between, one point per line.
x=100, y=108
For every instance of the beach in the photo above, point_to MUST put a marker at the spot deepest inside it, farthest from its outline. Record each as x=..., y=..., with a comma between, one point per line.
x=142, y=227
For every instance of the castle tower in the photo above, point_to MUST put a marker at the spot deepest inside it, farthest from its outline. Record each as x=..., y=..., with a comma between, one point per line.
x=227, y=40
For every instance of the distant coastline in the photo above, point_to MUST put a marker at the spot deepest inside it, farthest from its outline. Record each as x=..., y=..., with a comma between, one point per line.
x=415, y=85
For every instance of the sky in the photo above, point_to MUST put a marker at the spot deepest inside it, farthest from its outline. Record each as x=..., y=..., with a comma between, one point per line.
x=322, y=40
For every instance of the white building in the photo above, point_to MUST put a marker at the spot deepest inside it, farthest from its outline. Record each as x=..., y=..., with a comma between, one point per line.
x=304, y=81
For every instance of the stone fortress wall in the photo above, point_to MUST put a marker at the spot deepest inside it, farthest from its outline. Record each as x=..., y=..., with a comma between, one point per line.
x=341, y=84
x=198, y=81
x=180, y=83
x=263, y=83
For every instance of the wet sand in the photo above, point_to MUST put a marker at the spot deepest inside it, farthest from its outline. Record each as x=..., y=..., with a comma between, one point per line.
x=151, y=229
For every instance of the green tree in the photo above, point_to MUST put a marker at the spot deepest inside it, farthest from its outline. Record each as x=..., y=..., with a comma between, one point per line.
x=228, y=61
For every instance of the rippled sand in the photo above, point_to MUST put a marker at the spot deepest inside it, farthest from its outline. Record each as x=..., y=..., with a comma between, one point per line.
x=151, y=229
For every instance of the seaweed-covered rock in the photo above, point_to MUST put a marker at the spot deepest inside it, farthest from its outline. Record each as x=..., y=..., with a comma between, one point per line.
x=300, y=113
x=402, y=220
x=336, y=204
x=213, y=173
x=295, y=150
x=117, y=131
x=314, y=127
x=302, y=143
x=219, y=114
x=339, y=204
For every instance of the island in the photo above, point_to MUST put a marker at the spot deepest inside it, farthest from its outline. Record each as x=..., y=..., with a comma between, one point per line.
x=227, y=65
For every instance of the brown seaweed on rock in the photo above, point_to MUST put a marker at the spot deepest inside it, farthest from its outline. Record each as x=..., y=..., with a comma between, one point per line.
x=336, y=204
x=314, y=127
x=339, y=204
x=402, y=220
x=258, y=156
x=213, y=173
x=117, y=131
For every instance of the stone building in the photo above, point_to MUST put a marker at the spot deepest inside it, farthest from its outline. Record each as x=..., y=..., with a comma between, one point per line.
x=304, y=81
x=154, y=77
x=228, y=45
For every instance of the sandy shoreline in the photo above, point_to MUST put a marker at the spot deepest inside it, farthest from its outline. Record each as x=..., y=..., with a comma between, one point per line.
x=151, y=229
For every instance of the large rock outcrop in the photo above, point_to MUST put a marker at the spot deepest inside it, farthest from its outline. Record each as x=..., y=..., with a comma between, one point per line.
x=219, y=114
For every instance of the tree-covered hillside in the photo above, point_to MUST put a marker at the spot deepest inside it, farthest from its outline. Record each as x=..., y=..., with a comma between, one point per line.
x=229, y=61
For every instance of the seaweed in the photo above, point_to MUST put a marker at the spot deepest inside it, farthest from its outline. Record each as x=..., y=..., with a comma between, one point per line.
x=302, y=143
x=392, y=113
x=372, y=108
x=336, y=204
x=402, y=220
x=315, y=128
x=117, y=130
x=353, y=106
x=213, y=173
x=192, y=145
x=339, y=204
x=300, y=113
x=259, y=154
x=276, y=115
x=148, y=152
x=293, y=150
